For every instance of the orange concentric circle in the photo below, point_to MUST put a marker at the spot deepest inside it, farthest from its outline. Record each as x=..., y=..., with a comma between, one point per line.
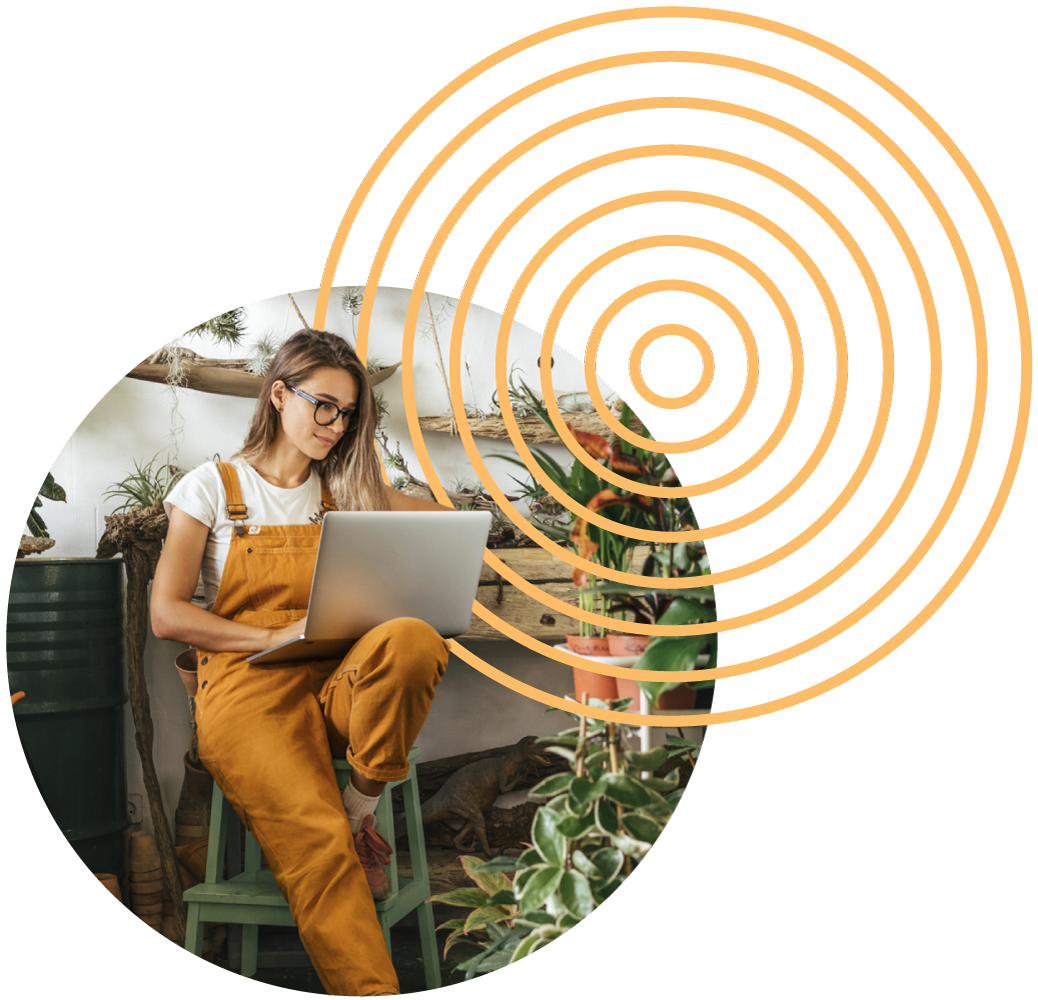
x=706, y=356
x=946, y=223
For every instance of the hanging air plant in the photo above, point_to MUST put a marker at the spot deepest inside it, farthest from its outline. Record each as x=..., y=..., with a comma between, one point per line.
x=227, y=328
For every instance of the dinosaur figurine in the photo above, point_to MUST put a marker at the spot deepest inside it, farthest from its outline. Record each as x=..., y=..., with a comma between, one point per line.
x=472, y=789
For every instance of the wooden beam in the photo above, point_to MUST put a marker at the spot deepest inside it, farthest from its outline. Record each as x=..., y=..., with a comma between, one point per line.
x=531, y=428
x=224, y=378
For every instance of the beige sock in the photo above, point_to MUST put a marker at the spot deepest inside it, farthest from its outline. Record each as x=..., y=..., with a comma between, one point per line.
x=357, y=805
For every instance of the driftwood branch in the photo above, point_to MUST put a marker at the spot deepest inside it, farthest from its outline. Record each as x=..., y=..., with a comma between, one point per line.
x=138, y=536
x=532, y=429
x=225, y=378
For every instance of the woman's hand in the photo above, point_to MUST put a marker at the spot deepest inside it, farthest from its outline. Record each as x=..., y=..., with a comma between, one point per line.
x=173, y=616
x=276, y=636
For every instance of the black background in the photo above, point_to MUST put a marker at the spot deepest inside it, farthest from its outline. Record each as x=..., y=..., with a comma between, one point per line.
x=225, y=185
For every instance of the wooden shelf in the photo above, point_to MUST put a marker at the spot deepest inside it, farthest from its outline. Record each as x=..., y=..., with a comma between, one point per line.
x=532, y=429
x=541, y=568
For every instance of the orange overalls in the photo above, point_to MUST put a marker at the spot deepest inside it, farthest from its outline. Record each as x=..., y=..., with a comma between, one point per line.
x=268, y=735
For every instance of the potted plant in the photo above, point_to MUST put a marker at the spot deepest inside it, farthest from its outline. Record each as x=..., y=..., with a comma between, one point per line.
x=668, y=653
x=615, y=550
x=599, y=822
x=38, y=539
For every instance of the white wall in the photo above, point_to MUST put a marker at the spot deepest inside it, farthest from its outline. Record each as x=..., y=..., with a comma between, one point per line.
x=133, y=422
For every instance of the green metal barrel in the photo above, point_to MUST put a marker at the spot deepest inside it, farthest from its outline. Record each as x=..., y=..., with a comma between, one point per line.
x=65, y=651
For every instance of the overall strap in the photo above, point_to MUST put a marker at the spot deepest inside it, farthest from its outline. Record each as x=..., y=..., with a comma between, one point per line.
x=236, y=509
x=327, y=503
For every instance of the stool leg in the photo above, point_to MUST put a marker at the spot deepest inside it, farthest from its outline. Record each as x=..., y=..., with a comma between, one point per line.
x=430, y=949
x=420, y=873
x=387, y=932
x=194, y=931
x=249, y=949
x=384, y=816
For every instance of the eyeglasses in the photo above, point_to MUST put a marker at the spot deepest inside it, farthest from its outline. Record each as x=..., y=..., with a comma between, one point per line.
x=325, y=413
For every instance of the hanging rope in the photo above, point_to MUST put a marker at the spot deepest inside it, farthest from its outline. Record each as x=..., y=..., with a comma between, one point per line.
x=302, y=319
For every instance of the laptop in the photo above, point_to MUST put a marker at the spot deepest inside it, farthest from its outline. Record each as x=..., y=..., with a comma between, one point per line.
x=373, y=566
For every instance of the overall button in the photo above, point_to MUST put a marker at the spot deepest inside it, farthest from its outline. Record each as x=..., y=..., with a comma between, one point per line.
x=205, y=660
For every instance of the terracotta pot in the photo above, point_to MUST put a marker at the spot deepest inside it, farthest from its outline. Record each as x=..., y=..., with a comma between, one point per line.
x=682, y=698
x=588, y=645
x=111, y=883
x=596, y=685
x=625, y=644
x=144, y=855
x=187, y=666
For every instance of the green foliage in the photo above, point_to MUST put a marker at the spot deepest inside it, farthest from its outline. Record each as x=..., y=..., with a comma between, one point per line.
x=227, y=328
x=50, y=490
x=146, y=486
x=599, y=822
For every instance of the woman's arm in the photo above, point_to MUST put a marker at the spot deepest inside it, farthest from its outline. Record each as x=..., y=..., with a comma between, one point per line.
x=401, y=501
x=173, y=616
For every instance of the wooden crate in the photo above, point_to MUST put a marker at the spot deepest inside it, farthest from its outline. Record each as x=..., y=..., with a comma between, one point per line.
x=548, y=574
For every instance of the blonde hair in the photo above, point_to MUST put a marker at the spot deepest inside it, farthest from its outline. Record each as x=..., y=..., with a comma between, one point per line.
x=351, y=468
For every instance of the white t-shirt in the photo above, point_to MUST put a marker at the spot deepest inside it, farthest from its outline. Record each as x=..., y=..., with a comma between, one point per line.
x=201, y=494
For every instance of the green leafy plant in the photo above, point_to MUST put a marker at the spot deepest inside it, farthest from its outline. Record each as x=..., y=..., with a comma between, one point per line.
x=664, y=606
x=146, y=486
x=227, y=328
x=50, y=490
x=599, y=822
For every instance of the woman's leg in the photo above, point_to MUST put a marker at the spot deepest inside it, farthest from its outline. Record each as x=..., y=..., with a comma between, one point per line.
x=376, y=701
x=262, y=735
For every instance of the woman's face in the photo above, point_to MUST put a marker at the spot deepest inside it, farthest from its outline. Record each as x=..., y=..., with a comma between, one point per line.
x=328, y=385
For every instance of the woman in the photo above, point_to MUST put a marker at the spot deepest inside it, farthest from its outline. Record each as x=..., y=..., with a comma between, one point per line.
x=268, y=734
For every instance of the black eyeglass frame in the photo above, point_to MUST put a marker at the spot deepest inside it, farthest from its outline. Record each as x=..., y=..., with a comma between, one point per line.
x=318, y=403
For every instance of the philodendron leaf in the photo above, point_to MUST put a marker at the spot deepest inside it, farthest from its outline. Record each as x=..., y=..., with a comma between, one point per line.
x=641, y=827
x=576, y=894
x=574, y=827
x=582, y=795
x=584, y=864
x=552, y=785
x=635, y=849
x=630, y=792
x=603, y=890
x=535, y=919
x=527, y=858
x=608, y=861
x=606, y=817
x=536, y=890
x=538, y=939
x=647, y=761
x=523, y=877
x=549, y=841
x=663, y=785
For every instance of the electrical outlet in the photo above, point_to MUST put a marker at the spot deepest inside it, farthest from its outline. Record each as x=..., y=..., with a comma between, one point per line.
x=135, y=808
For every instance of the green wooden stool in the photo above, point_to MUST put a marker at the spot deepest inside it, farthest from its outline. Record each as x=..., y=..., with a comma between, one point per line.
x=252, y=897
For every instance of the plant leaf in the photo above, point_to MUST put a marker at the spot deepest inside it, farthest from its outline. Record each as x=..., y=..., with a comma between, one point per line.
x=575, y=893
x=489, y=881
x=552, y=785
x=608, y=861
x=606, y=817
x=462, y=897
x=550, y=843
x=536, y=890
x=641, y=827
x=479, y=918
